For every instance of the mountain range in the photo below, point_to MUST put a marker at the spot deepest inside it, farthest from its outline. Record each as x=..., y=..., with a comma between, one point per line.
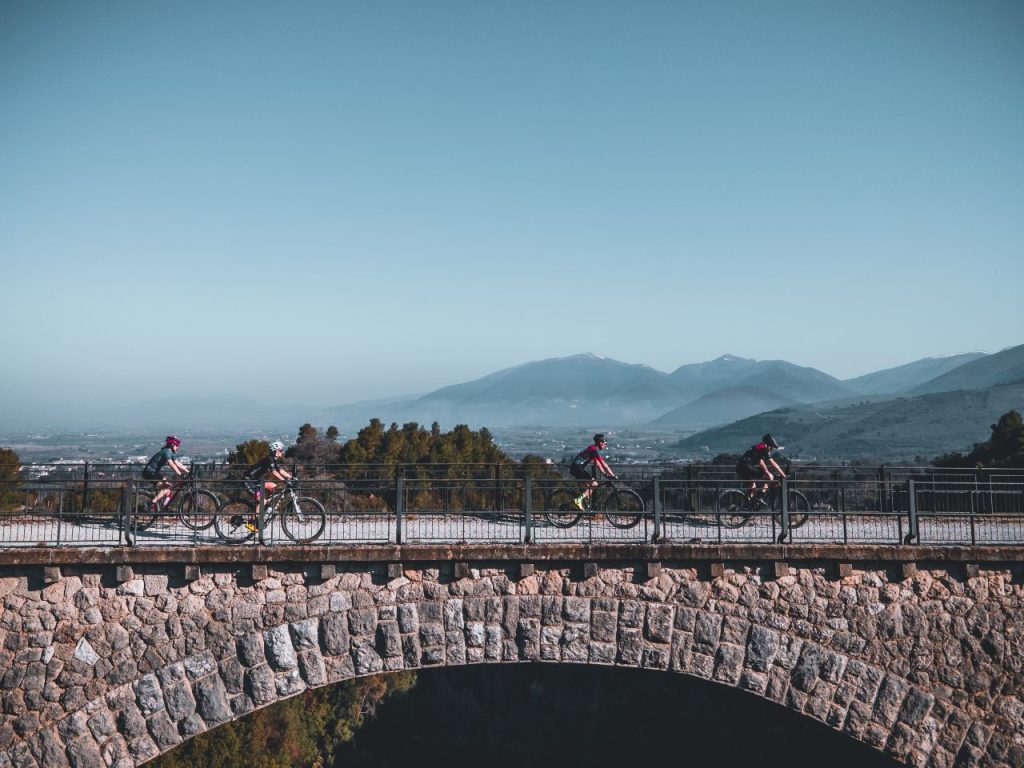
x=588, y=389
x=941, y=403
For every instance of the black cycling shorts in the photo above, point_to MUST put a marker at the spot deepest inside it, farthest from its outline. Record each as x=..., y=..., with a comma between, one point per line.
x=583, y=473
x=747, y=472
x=154, y=476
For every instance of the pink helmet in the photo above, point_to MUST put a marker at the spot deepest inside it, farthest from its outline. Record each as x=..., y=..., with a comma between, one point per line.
x=172, y=440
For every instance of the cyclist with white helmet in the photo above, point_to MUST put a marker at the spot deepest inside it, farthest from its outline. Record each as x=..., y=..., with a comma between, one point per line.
x=268, y=465
x=163, y=457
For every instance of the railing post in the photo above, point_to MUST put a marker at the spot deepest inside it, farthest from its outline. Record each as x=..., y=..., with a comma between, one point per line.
x=261, y=518
x=128, y=519
x=399, y=505
x=784, y=533
x=85, y=489
x=656, y=536
x=527, y=510
x=912, y=533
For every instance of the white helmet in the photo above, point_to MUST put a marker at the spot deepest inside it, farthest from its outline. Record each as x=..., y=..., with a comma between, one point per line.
x=276, y=446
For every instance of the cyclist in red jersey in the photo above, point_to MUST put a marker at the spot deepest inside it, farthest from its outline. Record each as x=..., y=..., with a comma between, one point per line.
x=757, y=463
x=584, y=468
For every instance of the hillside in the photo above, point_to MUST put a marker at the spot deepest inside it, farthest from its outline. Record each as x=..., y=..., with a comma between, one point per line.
x=903, y=378
x=897, y=428
x=1001, y=368
x=722, y=407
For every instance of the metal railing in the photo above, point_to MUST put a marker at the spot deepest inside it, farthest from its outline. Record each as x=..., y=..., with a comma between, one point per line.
x=477, y=503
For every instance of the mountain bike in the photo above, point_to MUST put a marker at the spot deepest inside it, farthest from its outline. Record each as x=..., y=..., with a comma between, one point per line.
x=736, y=508
x=195, y=507
x=302, y=517
x=622, y=507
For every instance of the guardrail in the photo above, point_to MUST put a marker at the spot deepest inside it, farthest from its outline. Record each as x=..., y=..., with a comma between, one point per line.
x=513, y=509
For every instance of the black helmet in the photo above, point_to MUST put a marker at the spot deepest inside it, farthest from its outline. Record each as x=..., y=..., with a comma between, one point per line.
x=769, y=441
x=599, y=438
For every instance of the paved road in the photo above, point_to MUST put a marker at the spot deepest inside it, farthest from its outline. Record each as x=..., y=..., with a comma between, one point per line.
x=491, y=527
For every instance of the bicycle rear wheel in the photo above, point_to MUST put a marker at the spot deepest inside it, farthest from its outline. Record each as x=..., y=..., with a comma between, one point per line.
x=198, y=509
x=559, y=509
x=143, y=514
x=732, y=508
x=624, y=508
x=230, y=521
x=303, y=519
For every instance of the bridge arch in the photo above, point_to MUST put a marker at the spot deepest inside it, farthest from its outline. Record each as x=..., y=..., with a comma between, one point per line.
x=96, y=672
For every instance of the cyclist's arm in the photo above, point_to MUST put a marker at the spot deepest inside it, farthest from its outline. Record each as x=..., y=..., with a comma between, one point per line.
x=603, y=466
x=764, y=468
x=778, y=469
x=281, y=473
x=178, y=467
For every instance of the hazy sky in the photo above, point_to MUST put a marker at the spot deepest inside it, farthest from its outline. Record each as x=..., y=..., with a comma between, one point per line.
x=323, y=202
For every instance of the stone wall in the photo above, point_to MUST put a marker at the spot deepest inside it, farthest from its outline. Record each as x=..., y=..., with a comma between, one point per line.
x=99, y=673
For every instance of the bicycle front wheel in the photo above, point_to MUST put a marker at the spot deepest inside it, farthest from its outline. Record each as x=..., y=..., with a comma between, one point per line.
x=231, y=521
x=624, y=508
x=559, y=509
x=303, y=519
x=198, y=509
x=732, y=508
x=799, y=507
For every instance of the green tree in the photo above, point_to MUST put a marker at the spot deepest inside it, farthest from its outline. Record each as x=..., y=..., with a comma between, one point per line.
x=10, y=466
x=249, y=452
x=1005, y=448
x=302, y=731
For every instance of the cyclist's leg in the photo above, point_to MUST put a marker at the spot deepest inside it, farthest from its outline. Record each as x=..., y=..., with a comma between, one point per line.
x=583, y=478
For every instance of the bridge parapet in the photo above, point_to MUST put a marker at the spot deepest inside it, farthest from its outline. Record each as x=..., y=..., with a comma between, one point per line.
x=126, y=653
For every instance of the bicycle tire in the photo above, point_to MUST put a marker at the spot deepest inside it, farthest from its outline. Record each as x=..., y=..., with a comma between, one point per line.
x=230, y=520
x=732, y=508
x=198, y=509
x=623, y=508
x=799, y=507
x=303, y=519
x=559, y=509
x=143, y=516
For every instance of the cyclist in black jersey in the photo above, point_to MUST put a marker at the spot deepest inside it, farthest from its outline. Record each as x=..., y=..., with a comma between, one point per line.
x=584, y=468
x=268, y=465
x=163, y=457
x=757, y=463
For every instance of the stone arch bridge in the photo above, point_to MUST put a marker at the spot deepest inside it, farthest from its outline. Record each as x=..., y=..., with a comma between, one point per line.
x=111, y=657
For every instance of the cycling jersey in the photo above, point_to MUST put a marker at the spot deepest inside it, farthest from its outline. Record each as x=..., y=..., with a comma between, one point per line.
x=584, y=464
x=750, y=463
x=260, y=468
x=159, y=460
x=587, y=456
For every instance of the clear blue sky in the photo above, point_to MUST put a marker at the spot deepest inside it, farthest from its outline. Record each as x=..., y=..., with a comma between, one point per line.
x=323, y=202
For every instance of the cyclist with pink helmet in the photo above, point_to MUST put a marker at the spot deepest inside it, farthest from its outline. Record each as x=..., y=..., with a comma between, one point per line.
x=163, y=457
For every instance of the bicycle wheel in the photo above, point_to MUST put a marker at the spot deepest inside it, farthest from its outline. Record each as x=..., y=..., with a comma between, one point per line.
x=198, y=509
x=732, y=508
x=303, y=519
x=230, y=521
x=798, y=509
x=559, y=509
x=623, y=508
x=143, y=515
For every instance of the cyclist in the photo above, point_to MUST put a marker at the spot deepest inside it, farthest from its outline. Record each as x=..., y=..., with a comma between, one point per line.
x=584, y=468
x=758, y=463
x=268, y=465
x=165, y=456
